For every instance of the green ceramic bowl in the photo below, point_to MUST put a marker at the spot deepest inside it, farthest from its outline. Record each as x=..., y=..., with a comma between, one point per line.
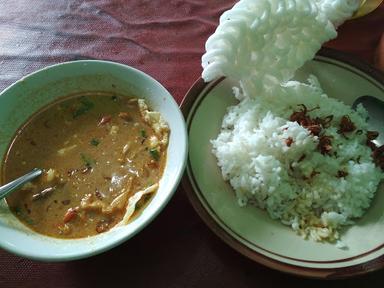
x=28, y=95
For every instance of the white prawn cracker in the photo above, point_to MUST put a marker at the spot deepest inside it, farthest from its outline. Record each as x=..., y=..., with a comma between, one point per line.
x=262, y=43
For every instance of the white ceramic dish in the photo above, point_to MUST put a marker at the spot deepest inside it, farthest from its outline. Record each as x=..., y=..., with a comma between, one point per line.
x=250, y=230
x=28, y=95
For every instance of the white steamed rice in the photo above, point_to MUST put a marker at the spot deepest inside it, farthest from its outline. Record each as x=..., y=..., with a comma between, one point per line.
x=254, y=157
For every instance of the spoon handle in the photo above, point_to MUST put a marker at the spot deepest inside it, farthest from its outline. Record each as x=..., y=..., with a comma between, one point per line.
x=17, y=183
x=366, y=7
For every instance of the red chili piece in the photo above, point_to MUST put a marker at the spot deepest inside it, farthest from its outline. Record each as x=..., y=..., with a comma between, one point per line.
x=104, y=120
x=70, y=215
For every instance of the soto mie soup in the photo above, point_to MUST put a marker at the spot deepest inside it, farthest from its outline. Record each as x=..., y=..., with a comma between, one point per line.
x=97, y=151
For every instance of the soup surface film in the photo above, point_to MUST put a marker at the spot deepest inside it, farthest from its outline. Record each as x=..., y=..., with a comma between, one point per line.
x=97, y=150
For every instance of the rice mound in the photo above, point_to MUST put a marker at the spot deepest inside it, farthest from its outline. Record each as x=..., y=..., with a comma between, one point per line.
x=293, y=181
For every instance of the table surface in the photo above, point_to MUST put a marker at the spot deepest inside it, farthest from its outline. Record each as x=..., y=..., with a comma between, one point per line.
x=164, y=38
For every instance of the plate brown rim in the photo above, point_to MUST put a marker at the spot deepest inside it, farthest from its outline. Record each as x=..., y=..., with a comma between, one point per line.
x=311, y=272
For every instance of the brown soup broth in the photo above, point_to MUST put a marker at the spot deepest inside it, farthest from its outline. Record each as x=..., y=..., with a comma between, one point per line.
x=93, y=148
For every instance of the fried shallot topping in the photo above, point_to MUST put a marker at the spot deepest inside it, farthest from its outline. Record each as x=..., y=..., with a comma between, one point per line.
x=342, y=174
x=289, y=141
x=372, y=135
x=315, y=127
x=312, y=175
x=302, y=157
x=378, y=157
x=325, y=122
x=346, y=125
x=371, y=145
x=301, y=117
x=325, y=144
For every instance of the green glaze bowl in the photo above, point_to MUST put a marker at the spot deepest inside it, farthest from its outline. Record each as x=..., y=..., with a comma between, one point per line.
x=28, y=95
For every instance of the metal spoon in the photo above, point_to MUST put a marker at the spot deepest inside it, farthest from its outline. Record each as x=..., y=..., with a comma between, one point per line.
x=366, y=7
x=17, y=183
x=375, y=108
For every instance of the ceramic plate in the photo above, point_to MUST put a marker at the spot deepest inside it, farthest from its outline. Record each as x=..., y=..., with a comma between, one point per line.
x=250, y=230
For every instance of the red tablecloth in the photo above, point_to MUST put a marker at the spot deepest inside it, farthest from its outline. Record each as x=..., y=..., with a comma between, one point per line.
x=164, y=38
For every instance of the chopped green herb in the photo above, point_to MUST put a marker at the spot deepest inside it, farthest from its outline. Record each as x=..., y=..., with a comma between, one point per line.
x=88, y=162
x=139, y=205
x=146, y=197
x=85, y=106
x=29, y=220
x=23, y=216
x=114, y=98
x=95, y=142
x=143, y=133
x=154, y=154
x=16, y=210
x=65, y=105
x=143, y=201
